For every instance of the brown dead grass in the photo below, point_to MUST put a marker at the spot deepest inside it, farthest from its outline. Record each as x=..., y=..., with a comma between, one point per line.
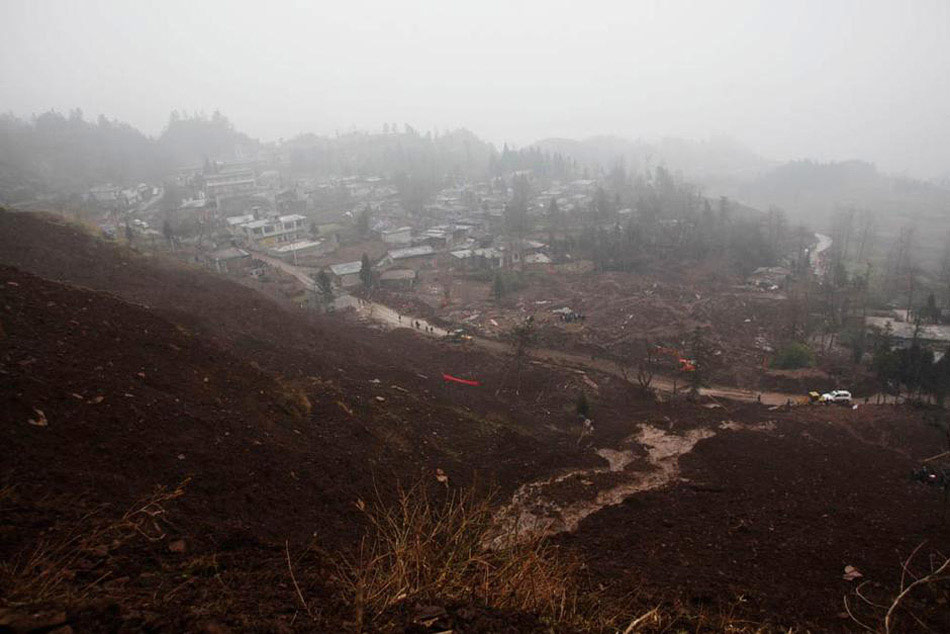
x=45, y=572
x=444, y=547
x=436, y=547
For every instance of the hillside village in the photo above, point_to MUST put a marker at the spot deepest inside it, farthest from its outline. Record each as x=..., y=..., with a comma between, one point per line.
x=475, y=317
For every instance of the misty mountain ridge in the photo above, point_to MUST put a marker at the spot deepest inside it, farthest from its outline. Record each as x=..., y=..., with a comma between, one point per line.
x=715, y=158
x=56, y=154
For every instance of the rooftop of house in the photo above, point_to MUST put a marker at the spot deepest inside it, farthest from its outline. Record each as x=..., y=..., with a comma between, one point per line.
x=347, y=268
x=537, y=258
x=254, y=224
x=464, y=254
x=299, y=245
x=228, y=253
x=230, y=182
x=398, y=274
x=905, y=329
x=234, y=221
x=411, y=252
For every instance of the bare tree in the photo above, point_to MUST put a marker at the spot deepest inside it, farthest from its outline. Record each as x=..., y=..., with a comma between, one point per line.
x=647, y=367
x=446, y=282
x=522, y=340
x=867, y=233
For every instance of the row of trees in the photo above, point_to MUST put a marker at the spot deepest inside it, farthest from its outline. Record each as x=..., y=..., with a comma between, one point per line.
x=910, y=371
x=53, y=152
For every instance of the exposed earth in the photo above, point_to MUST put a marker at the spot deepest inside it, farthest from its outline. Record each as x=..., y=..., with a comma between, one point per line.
x=268, y=427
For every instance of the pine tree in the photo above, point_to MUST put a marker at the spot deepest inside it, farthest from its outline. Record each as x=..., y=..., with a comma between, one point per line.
x=366, y=271
x=324, y=284
x=498, y=286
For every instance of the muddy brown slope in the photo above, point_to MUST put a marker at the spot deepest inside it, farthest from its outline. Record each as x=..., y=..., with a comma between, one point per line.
x=183, y=362
x=138, y=373
x=765, y=521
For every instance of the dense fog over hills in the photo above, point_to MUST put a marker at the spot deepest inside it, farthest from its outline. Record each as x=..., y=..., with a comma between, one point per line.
x=840, y=81
x=487, y=316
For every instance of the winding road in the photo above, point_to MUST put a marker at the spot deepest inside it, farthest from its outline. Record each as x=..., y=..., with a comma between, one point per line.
x=386, y=316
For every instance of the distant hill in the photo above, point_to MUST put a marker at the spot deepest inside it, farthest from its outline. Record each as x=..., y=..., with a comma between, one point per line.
x=455, y=153
x=57, y=154
x=707, y=162
x=812, y=192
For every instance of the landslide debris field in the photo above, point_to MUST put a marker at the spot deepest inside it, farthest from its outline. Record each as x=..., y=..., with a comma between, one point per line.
x=662, y=304
x=269, y=429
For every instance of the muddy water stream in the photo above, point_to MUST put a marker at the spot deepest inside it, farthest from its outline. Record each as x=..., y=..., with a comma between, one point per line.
x=547, y=507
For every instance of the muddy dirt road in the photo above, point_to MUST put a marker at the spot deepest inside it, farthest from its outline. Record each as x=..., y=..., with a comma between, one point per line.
x=382, y=314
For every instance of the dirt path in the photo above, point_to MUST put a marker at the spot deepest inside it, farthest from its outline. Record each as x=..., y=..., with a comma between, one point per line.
x=385, y=315
x=817, y=263
x=301, y=274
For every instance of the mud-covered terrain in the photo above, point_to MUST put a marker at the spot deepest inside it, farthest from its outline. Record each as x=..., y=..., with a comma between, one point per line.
x=269, y=427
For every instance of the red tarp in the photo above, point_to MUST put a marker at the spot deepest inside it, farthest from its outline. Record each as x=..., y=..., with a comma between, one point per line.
x=455, y=379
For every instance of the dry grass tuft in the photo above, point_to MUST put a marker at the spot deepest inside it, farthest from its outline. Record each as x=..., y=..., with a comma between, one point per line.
x=903, y=611
x=292, y=398
x=428, y=546
x=45, y=572
x=445, y=548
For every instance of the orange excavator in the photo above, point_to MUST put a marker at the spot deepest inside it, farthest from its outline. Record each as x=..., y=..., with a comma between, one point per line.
x=685, y=365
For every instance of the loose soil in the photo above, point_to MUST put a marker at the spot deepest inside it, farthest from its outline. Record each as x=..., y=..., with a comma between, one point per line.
x=123, y=372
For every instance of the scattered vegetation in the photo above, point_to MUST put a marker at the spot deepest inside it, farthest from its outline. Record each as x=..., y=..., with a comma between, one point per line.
x=445, y=548
x=47, y=572
x=794, y=355
x=902, y=609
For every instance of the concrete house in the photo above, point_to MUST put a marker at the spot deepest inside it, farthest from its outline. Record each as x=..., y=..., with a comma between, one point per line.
x=400, y=236
x=414, y=258
x=274, y=230
x=346, y=274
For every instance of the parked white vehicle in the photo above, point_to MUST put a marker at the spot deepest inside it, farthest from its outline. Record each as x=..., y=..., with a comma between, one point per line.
x=836, y=396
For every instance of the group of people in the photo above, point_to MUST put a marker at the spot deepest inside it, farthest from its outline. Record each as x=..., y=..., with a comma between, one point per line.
x=418, y=325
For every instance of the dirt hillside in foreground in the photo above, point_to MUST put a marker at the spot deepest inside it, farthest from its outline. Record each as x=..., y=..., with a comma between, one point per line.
x=148, y=373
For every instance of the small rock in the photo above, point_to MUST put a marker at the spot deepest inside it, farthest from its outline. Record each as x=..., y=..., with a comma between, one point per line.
x=851, y=573
x=177, y=546
x=40, y=420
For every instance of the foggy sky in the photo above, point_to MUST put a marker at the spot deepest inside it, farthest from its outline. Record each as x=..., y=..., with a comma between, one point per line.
x=825, y=79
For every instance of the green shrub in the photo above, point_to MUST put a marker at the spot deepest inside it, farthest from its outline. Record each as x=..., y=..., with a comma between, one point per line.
x=794, y=355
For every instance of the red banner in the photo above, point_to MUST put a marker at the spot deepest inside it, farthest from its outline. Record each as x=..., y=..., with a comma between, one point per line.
x=455, y=379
